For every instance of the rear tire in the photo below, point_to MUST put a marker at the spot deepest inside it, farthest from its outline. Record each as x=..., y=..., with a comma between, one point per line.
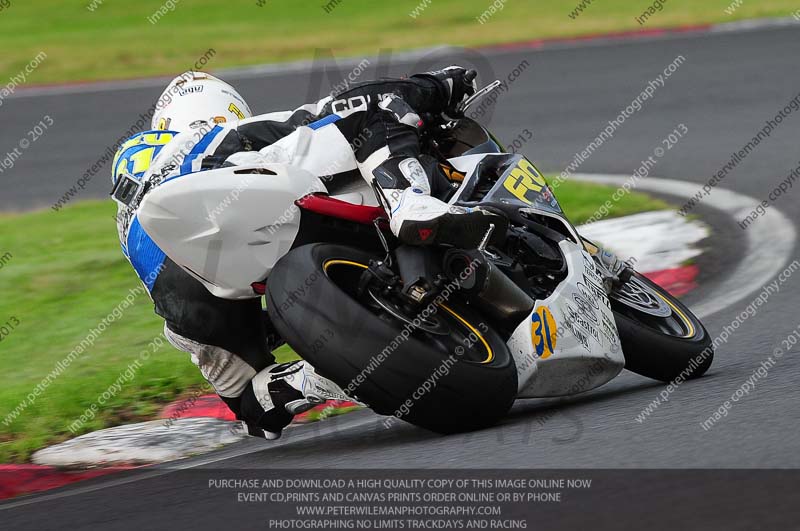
x=657, y=353
x=359, y=349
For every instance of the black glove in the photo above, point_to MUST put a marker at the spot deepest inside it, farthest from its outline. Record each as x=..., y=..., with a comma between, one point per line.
x=457, y=84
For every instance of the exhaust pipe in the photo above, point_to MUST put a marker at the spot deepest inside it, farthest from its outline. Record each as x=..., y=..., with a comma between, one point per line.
x=483, y=281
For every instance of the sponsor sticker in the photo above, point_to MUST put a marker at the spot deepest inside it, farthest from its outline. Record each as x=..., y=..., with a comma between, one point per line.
x=190, y=90
x=544, y=332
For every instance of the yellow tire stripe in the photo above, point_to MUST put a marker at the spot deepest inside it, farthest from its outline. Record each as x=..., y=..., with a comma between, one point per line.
x=490, y=357
x=686, y=320
x=329, y=263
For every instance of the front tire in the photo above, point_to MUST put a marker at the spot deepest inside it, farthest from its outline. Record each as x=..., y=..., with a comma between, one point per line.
x=313, y=301
x=660, y=347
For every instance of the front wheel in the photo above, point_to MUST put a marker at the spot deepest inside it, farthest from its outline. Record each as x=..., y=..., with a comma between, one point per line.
x=661, y=338
x=437, y=366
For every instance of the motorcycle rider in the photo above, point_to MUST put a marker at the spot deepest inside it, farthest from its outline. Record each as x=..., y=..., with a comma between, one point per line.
x=203, y=123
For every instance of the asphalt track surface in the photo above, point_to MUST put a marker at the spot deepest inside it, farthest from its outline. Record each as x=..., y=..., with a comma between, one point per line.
x=729, y=85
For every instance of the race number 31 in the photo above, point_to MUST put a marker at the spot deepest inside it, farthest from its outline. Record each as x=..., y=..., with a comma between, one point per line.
x=544, y=332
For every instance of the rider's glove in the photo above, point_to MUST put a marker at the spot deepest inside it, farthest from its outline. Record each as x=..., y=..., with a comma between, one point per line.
x=457, y=82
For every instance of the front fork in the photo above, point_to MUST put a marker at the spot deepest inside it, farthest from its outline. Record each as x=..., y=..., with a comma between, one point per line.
x=615, y=272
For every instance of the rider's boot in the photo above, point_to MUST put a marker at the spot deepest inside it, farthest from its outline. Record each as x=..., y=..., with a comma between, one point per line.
x=417, y=218
x=288, y=389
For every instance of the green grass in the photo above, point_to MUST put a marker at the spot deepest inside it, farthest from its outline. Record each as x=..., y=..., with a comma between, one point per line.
x=580, y=201
x=118, y=41
x=65, y=275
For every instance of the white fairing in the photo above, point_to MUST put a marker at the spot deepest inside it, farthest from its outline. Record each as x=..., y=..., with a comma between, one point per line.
x=584, y=350
x=228, y=227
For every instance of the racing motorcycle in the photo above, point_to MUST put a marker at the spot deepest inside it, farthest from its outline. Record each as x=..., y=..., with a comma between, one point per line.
x=441, y=337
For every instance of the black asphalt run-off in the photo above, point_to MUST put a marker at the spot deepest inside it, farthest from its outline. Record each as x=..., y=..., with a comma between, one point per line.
x=730, y=84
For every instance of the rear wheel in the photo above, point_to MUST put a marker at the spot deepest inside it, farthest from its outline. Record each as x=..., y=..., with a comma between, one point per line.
x=661, y=338
x=438, y=366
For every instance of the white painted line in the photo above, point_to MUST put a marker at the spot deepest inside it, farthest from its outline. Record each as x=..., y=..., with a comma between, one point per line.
x=333, y=424
x=755, y=24
x=769, y=240
x=658, y=240
x=153, y=441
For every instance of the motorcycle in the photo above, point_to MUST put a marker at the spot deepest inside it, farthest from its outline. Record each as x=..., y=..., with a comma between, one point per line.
x=443, y=338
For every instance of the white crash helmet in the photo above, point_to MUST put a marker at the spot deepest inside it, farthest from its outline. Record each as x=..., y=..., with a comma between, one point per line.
x=197, y=99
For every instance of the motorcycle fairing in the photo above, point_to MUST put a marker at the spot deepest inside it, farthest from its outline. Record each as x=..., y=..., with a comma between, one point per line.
x=228, y=227
x=522, y=183
x=586, y=351
x=518, y=181
x=569, y=343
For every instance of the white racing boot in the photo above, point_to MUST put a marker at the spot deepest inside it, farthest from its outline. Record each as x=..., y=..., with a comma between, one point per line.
x=288, y=389
x=418, y=218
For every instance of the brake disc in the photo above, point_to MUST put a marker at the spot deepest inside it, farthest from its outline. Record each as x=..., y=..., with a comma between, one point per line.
x=641, y=297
